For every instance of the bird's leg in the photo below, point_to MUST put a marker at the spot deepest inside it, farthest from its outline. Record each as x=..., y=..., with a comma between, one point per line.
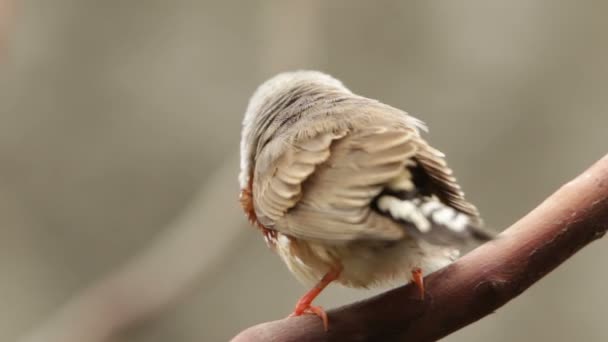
x=418, y=279
x=304, y=304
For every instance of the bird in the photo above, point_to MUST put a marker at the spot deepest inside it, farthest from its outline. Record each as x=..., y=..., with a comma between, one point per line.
x=345, y=189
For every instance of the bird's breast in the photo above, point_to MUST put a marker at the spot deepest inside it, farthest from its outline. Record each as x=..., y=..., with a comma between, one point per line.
x=364, y=263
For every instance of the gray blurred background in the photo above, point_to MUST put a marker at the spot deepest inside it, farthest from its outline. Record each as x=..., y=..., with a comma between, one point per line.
x=119, y=129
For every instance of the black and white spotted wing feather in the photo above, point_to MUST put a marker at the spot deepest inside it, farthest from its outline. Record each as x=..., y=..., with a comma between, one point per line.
x=426, y=199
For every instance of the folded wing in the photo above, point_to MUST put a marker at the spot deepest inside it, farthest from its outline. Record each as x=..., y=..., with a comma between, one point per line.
x=322, y=188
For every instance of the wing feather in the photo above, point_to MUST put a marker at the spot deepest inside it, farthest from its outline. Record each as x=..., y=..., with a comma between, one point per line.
x=321, y=187
x=278, y=178
x=444, y=185
x=335, y=203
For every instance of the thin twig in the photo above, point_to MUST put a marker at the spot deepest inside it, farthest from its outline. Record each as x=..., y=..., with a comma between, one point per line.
x=474, y=286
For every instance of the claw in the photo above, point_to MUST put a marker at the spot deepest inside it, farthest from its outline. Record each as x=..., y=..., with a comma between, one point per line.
x=315, y=310
x=418, y=279
x=304, y=304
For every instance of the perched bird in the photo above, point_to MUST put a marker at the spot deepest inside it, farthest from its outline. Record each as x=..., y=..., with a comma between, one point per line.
x=345, y=189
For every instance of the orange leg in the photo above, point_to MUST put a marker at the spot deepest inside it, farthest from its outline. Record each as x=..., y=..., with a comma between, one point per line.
x=304, y=304
x=418, y=279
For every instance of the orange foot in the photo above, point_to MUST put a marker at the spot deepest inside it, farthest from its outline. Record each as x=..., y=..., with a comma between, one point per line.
x=304, y=304
x=310, y=309
x=418, y=279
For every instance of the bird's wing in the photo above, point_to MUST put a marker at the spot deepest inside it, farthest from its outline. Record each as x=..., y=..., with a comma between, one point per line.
x=430, y=204
x=441, y=182
x=280, y=171
x=322, y=187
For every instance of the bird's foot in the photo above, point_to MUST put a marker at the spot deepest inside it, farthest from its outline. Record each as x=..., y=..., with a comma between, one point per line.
x=306, y=308
x=418, y=279
x=304, y=304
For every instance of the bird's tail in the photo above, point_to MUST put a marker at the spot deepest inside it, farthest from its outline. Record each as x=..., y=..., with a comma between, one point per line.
x=430, y=219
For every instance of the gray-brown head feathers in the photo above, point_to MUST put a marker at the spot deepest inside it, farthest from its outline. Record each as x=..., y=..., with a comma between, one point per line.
x=267, y=109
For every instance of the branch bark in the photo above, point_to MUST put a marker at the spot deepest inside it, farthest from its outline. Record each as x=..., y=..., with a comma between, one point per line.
x=474, y=286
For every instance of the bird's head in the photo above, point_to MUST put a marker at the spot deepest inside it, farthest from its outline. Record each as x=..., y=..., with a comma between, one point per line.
x=271, y=106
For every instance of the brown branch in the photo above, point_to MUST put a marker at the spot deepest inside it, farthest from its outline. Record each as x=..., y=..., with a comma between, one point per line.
x=474, y=286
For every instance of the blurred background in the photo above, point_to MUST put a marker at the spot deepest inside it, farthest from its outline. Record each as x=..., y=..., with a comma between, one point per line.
x=119, y=132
